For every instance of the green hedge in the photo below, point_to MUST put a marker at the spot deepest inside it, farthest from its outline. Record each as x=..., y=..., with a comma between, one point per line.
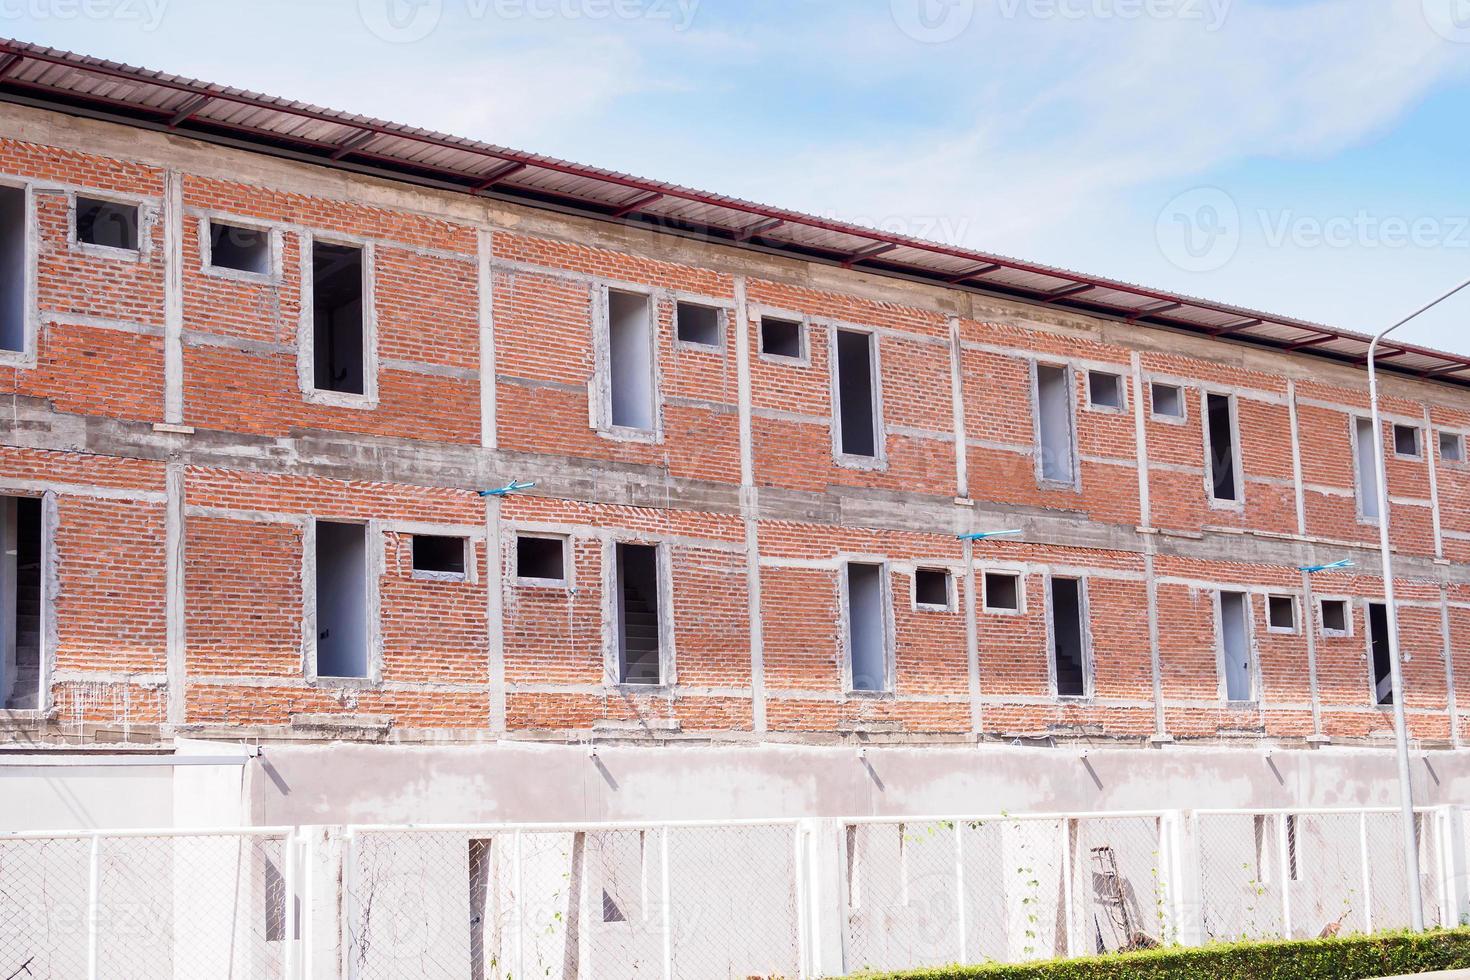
x=1347, y=958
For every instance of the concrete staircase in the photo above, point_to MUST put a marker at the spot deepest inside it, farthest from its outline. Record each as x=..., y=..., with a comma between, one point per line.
x=640, y=637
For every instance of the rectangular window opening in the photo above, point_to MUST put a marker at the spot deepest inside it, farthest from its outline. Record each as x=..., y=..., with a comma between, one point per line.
x=1002, y=591
x=639, y=633
x=1168, y=400
x=856, y=405
x=439, y=555
x=1235, y=645
x=931, y=588
x=1281, y=613
x=12, y=268
x=107, y=223
x=240, y=248
x=1365, y=450
x=1105, y=390
x=867, y=627
x=1452, y=447
x=543, y=559
x=696, y=324
x=1068, y=637
x=630, y=359
x=1378, y=641
x=1335, y=616
x=20, y=603
x=338, y=347
x=1054, y=424
x=341, y=600
x=1406, y=441
x=1220, y=430
x=781, y=338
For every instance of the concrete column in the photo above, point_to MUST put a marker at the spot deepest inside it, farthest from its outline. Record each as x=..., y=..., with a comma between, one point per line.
x=174, y=637
x=488, y=390
x=749, y=506
x=495, y=614
x=173, y=298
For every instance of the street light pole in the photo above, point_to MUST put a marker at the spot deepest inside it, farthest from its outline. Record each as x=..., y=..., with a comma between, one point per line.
x=1396, y=680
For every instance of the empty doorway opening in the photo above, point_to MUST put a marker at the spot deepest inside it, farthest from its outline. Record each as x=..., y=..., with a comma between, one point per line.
x=341, y=600
x=1220, y=430
x=867, y=627
x=1068, y=637
x=1378, y=642
x=338, y=347
x=1235, y=645
x=1365, y=449
x=856, y=402
x=630, y=359
x=12, y=268
x=639, y=626
x=20, y=603
x=1054, y=424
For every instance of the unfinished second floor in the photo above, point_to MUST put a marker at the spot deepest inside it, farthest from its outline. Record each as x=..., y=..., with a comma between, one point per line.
x=160, y=283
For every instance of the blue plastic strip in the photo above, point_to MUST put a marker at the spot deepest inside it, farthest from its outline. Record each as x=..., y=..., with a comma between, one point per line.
x=514, y=486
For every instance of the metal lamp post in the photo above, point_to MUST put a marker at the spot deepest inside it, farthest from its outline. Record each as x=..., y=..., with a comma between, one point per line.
x=1400, y=727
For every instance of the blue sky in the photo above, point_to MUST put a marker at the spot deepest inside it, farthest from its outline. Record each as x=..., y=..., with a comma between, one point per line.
x=1307, y=158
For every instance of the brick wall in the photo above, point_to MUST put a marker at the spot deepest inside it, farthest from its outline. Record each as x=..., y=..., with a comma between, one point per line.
x=180, y=587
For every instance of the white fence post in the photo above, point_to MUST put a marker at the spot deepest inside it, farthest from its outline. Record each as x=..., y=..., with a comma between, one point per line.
x=959, y=886
x=1068, y=918
x=822, y=897
x=1456, y=905
x=668, y=905
x=1189, y=929
x=1367, y=873
x=519, y=905
x=348, y=844
x=94, y=876
x=288, y=905
x=1171, y=876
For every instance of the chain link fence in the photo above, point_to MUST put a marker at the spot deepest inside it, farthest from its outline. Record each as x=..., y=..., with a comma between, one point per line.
x=1311, y=873
x=695, y=901
x=724, y=901
x=1006, y=889
x=144, y=906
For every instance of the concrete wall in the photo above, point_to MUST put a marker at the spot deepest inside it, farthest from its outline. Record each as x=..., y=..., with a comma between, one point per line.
x=557, y=783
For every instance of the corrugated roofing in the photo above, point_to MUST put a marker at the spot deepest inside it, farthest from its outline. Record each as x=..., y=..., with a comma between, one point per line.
x=78, y=84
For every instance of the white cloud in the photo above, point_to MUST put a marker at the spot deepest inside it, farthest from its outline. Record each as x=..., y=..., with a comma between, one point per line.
x=1115, y=105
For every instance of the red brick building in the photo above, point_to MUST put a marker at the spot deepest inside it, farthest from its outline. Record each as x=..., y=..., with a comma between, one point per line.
x=263, y=362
